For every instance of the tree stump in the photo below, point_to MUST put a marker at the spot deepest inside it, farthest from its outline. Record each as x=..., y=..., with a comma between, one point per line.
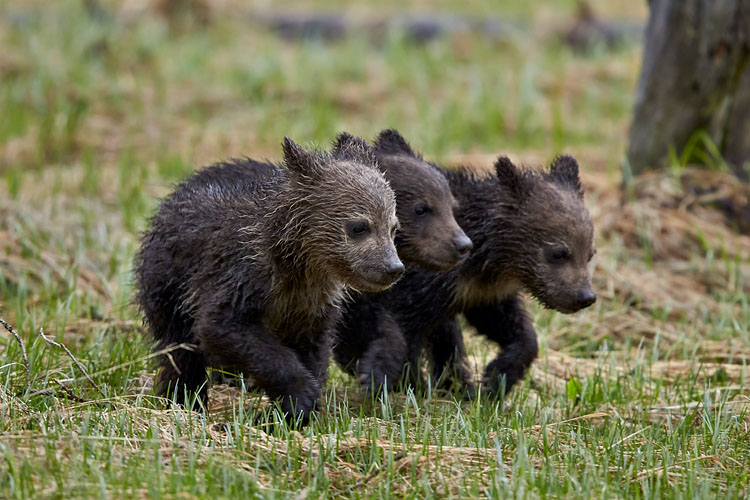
x=695, y=76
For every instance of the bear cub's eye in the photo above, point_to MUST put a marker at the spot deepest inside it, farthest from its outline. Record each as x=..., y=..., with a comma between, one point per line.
x=559, y=255
x=358, y=229
x=421, y=209
x=393, y=231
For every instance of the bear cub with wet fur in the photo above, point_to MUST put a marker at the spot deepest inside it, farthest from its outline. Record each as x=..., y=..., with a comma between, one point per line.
x=531, y=232
x=429, y=237
x=252, y=269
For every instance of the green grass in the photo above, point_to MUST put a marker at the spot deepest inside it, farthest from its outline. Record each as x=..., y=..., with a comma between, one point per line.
x=642, y=396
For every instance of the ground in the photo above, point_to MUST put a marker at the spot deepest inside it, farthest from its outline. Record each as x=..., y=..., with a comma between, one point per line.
x=644, y=395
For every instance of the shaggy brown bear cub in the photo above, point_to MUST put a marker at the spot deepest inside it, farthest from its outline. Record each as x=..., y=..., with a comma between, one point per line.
x=429, y=237
x=252, y=270
x=532, y=232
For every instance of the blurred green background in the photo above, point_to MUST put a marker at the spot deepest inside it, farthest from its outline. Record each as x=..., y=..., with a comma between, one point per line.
x=104, y=105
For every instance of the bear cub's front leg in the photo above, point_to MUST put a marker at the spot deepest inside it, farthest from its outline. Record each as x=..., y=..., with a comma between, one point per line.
x=507, y=324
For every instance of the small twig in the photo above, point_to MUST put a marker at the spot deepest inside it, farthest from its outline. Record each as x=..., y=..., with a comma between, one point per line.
x=69, y=393
x=42, y=392
x=50, y=391
x=70, y=354
x=166, y=350
x=23, y=353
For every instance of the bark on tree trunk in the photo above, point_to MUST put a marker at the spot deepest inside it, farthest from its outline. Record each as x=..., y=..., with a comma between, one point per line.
x=695, y=76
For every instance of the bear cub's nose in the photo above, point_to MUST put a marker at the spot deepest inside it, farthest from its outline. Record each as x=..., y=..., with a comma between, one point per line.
x=395, y=270
x=586, y=298
x=463, y=244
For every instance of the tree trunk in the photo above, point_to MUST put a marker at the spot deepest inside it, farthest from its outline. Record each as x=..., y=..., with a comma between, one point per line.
x=695, y=76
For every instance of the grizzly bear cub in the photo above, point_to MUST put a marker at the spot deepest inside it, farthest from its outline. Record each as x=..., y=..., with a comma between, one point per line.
x=429, y=237
x=531, y=232
x=252, y=269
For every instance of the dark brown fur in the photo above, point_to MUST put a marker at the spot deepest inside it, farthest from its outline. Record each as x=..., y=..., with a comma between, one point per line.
x=429, y=238
x=429, y=235
x=252, y=270
x=532, y=232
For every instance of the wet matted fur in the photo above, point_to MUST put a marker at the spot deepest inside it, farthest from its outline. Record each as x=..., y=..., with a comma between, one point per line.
x=531, y=232
x=253, y=268
x=429, y=238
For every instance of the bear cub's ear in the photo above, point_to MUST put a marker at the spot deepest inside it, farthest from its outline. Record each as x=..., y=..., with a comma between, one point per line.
x=512, y=178
x=389, y=141
x=348, y=147
x=298, y=159
x=564, y=170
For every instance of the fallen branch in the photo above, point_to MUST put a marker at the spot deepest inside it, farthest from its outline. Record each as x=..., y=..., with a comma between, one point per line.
x=70, y=355
x=23, y=353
